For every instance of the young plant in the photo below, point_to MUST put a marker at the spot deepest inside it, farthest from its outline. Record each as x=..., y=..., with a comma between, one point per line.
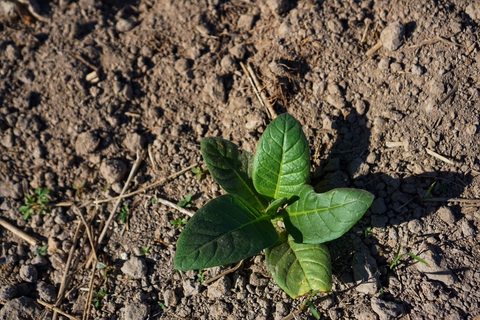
x=99, y=296
x=122, y=215
x=36, y=203
x=185, y=201
x=199, y=173
x=269, y=186
x=41, y=250
x=178, y=222
x=399, y=256
x=144, y=250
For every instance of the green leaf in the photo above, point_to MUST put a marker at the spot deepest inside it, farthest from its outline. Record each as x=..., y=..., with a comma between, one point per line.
x=282, y=160
x=227, y=229
x=317, y=218
x=299, y=268
x=229, y=168
x=273, y=207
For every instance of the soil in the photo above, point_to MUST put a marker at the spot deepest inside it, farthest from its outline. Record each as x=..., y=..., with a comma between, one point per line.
x=87, y=85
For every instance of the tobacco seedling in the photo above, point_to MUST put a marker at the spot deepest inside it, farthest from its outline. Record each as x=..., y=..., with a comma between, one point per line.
x=36, y=203
x=79, y=188
x=399, y=256
x=264, y=190
x=105, y=268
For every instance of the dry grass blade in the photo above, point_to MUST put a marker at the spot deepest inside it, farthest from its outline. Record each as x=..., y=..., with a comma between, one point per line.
x=64, y=282
x=115, y=207
x=174, y=206
x=31, y=240
x=55, y=309
x=207, y=282
x=258, y=92
x=439, y=156
x=155, y=184
x=472, y=202
x=88, y=305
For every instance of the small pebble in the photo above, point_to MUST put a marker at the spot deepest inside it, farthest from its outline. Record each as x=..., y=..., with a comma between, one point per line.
x=87, y=142
x=124, y=25
x=113, y=170
x=135, y=267
x=392, y=36
x=28, y=273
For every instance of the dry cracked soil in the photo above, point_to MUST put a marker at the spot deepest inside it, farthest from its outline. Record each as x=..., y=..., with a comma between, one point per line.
x=387, y=93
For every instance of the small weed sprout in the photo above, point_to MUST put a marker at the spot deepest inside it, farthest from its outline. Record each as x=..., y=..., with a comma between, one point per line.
x=79, y=188
x=178, y=222
x=200, y=276
x=398, y=256
x=41, y=250
x=154, y=200
x=105, y=268
x=122, y=215
x=98, y=297
x=199, y=173
x=36, y=203
x=185, y=201
x=144, y=250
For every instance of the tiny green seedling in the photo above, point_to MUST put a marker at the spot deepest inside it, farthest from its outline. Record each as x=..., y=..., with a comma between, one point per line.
x=185, y=201
x=428, y=194
x=41, y=250
x=144, y=250
x=162, y=305
x=367, y=231
x=178, y=222
x=98, y=297
x=105, y=268
x=122, y=215
x=310, y=305
x=199, y=173
x=263, y=188
x=154, y=200
x=200, y=276
x=398, y=256
x=79, y=188
x=36, y=203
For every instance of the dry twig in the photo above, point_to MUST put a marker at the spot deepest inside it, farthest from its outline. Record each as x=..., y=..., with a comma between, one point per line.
x=223, y=273
x=55, y=309
x=439, y=156
x=31, y=240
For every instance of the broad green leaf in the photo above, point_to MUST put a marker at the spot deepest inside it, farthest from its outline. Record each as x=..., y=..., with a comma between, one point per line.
x=320, y=217
x=227, y=229
x=299, y=267
x=282, y=160
x=273, y=207
x=229, y=168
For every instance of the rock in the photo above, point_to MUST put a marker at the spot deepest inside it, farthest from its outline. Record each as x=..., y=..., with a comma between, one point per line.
x=128, y=91
x=378, y=206
x=113, y=170
x=415, y=226
x=279, y=6
x=434, y=270
x=58, y=261
x=386, y=309
x=135, y=268
x=87, y=142
x=20, y=309
x=239, y=51
x=169, y=298
x=336, y=100
x=182, y=66
x=46, y=292
x=214, y=90
x=134, y=142
x=417, y=70
x=384, y=63
x=228, y=63
x=392, y=36
x=39, y=261
x=446, y=214
x=335, y=25
x=219, y=288
x=467, y=229
x=357, y=168
x=135, y=311
x=8, y=139
x=365, y=270
x=246, y=21
x=124, y=25
x=28, y=273
x=8, y=292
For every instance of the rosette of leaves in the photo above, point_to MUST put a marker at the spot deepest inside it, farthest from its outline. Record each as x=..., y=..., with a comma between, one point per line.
x=263, y=188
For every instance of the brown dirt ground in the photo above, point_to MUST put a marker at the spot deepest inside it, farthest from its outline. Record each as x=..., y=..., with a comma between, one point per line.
x=167, y=73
